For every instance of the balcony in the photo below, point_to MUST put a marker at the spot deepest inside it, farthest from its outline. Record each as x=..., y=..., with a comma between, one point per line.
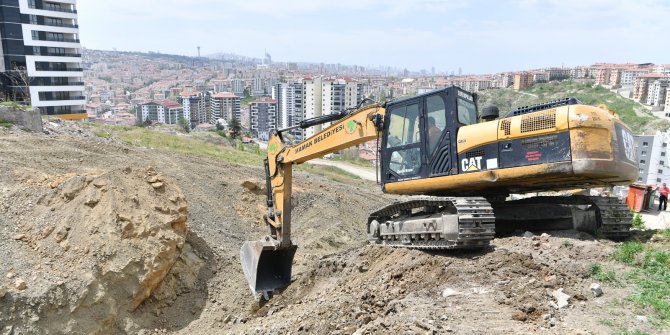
x=57, y=39
x=75, y=97
x=55, y=9
x=78, y=83
x=59, y=54
x=55, y=24
x=74, y=69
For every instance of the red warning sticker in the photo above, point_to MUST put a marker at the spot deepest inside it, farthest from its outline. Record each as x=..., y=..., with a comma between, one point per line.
x=533, y=156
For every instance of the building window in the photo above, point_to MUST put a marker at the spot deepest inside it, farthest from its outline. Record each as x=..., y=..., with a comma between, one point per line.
x=645, y=144
x=665, y=145
x=658, y=180
x=644, y=153
x=660, y=171
x=642, y=161
x=662, y=154
x=639, y=179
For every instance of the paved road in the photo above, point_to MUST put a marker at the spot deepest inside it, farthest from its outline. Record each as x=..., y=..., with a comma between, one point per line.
x=362, y=172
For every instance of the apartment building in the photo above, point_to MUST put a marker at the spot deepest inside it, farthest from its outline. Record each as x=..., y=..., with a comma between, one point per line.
x=502, y=80
x=313, y=96
x=628, y=75
x=615, y=77
x=640, y=89
x=540, y=77
x=657, y=91
x=522, y=80
x=339, y=94
x=289, y=97
x=263, y=117
x=558, y=73
x=473, y=84
x=643, y=86
x=40, y=56
x=652, y=152
x=224, y=105
x=603, y=75
x=168, y=112
x=579, y=72
x=195, y=107
x=237, y=86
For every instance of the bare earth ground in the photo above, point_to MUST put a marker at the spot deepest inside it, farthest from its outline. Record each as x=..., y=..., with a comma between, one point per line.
x=341, y=284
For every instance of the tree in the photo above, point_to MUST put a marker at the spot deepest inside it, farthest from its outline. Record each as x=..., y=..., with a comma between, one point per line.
x=247, y=92
x=184, y=124
x=235, y=128
x=18, y=77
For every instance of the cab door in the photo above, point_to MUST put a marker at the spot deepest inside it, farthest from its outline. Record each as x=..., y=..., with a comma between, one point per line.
x=403, y=144
x=440, y=131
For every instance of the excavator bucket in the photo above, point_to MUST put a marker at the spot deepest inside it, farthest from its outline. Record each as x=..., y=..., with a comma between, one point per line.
x=266, y=265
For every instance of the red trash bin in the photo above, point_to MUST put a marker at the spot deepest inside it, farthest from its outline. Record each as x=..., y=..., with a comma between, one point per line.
x=639, y=197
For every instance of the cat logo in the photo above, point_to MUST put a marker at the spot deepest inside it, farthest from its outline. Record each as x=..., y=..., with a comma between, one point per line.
x=471, y=164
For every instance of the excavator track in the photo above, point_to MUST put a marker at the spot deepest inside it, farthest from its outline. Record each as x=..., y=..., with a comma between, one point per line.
x=610, y=219
x=615, y=217
x=475, y=226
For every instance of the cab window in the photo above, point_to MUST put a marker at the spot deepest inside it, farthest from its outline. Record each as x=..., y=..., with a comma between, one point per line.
x=404, y=141
x=467, y=113
x=404, y=126
x=436, y=121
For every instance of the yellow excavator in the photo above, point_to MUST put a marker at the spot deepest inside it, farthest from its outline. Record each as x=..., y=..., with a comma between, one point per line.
x=458, y=167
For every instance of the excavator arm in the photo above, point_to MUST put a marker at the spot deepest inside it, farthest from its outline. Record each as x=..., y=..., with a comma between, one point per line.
x=267, y=262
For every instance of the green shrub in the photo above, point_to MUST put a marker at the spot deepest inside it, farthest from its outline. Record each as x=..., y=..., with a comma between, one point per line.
x=597, y=273
x=627, y=251
x=637, y=223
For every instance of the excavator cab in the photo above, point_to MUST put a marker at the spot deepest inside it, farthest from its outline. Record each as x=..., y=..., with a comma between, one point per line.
x=420, y=136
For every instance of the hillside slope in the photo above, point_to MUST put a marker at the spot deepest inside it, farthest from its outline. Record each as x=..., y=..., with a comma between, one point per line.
x=341, y=285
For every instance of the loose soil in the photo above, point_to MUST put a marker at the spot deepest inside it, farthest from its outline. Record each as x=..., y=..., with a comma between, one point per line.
x=341, y=285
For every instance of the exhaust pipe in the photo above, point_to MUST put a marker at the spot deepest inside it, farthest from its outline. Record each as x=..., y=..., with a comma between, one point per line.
x=266, y=264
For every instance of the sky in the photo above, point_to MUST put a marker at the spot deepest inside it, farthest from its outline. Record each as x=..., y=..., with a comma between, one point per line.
x=476, y=36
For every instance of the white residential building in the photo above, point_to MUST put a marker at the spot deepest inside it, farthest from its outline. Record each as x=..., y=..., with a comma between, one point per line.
x=263, y=118
x=195, y=107
x=628, y=75
x=652, y=152
x=657, y=91
x=325, y=96
x=40, y=40
x=312, y=102
x=224, y=105
x=289, y=97
x=168, y=112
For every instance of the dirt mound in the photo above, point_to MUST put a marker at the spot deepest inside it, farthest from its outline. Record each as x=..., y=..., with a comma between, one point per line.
x=92, y=247
x=375, y=289
x=341, y=285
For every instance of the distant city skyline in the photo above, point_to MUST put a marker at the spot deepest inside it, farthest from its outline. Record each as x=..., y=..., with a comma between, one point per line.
x=448, y=35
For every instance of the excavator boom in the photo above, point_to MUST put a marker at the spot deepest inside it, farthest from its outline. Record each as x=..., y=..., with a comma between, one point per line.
x=267, y=262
